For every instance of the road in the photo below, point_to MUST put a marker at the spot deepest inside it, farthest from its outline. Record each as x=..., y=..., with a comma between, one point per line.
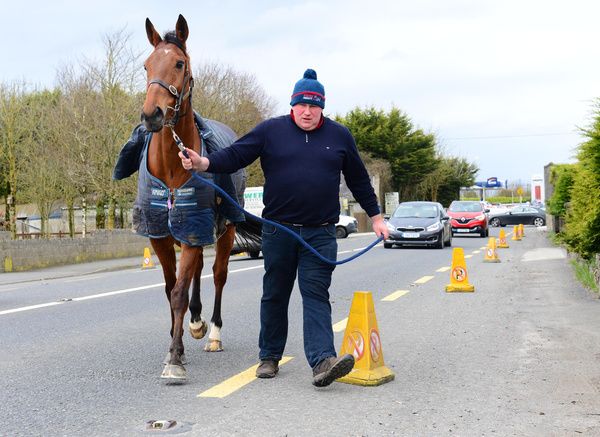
x=83, y=346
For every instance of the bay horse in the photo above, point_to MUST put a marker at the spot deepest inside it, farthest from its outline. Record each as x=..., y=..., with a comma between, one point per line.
x=167, y=113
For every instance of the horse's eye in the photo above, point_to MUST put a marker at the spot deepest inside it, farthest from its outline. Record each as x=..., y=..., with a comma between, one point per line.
x=145, y=68
x=179, y=65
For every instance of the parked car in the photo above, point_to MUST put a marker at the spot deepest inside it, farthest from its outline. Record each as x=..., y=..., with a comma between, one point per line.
x=468, y=217
x=344, y=227
x=522, y=214
x=419, y=223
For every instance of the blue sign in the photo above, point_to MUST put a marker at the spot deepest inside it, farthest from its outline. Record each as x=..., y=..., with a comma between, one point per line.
x=492, y=182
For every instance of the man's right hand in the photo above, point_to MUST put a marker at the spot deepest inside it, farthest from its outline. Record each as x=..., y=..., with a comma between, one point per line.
x=195, y=162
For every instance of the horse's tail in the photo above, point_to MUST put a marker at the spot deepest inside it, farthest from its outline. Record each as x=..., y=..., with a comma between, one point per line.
x=248, y=234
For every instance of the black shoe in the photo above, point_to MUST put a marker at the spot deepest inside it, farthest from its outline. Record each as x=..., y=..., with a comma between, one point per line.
x=331, y=369
x=267, y=369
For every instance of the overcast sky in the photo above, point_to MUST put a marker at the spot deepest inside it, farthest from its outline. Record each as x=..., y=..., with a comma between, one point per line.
x=504, y=84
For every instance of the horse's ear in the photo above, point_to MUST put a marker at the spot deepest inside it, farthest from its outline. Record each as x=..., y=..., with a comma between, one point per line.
x=182, y=29
x=152, y=34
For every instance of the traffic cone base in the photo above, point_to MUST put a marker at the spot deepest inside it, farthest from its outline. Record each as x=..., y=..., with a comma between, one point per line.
x=459, y=279
x=147, y=262
x=362, y=340
x=368, y=378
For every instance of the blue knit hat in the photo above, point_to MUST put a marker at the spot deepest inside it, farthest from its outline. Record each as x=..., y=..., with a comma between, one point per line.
x=309, y=90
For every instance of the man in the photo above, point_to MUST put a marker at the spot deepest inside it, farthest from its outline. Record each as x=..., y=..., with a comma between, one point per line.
x=302, y=155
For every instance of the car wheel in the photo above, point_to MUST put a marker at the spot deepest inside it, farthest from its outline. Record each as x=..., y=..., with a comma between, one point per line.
x=495, y=222
x=387, y=245
x=254, y=254
x=482, y=234
x=449, y=242
x=538, y=222
x=487, y=232
x=440, y=243
x=340, y=232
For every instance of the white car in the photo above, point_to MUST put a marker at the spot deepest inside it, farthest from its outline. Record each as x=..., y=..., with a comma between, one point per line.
x=345, y=226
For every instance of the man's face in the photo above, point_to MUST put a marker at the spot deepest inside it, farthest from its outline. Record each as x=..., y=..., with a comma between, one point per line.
x=307, y=116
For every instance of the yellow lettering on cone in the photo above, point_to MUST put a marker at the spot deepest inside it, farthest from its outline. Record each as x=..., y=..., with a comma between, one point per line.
x=502, y=240
x=521, y=230
x=516, y=236
x=491, y=256
x=362, y=340
x=147, y=263
x=459, y=279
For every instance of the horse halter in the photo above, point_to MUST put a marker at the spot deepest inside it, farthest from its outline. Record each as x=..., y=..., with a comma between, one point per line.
x=188, y=81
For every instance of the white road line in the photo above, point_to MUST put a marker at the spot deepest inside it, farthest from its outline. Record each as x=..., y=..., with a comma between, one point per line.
x=106, y=294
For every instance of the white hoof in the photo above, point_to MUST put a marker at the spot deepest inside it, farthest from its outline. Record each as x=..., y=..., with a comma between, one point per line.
x=174, y=373
x=213, y=346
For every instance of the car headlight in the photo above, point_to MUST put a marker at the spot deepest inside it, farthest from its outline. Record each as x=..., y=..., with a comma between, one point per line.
x=390, y=226
x=480, y=217
x=434, y=227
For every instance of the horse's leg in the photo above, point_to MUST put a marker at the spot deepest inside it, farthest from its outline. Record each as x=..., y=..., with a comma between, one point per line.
x=165, y=251
x=223, y=251
x=174, y=369
x=198, y=326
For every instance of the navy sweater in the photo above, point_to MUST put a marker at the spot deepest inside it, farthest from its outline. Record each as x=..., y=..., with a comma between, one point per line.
x=301, y=168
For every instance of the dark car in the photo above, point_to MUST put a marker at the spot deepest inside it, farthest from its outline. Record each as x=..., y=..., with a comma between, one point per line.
x=468, y=217
x=419, y=223
x=526, y=215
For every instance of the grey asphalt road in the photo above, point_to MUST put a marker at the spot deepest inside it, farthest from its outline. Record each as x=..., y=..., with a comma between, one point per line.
x=83, y=345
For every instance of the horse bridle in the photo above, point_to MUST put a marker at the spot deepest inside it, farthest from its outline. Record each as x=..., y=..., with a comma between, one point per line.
x=188, y=80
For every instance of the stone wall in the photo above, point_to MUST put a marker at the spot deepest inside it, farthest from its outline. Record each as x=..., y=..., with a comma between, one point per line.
x=39, y=253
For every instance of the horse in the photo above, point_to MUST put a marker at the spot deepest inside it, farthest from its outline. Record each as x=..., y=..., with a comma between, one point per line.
x=168, y=115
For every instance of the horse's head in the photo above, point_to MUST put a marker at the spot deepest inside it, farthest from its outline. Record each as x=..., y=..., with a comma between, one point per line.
x=169, y=76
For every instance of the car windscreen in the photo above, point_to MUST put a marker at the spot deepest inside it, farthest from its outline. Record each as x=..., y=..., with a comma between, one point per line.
x=406, y=211
x=465, y=207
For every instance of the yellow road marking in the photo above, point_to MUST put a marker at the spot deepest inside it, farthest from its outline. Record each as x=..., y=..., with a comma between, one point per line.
x=443, y=269
x=235, y=382
x=423, y=280
x=395, y=295
x=340, y=326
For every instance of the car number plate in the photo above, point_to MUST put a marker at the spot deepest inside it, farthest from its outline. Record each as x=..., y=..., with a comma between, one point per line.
x=411, y=235
x=462, y=230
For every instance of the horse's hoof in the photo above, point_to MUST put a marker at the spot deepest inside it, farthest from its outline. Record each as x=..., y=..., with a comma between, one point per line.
x=198, y=329
x=174, y=373
x=167, y=359
x=213, y=346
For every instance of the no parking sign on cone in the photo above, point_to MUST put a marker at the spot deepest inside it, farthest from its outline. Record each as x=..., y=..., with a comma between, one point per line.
x=362, y=340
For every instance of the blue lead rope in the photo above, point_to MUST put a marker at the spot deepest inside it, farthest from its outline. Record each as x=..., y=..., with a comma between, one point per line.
x=263, y=220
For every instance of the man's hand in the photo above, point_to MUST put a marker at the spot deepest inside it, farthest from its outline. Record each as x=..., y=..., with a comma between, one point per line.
x=379, y=226
x=195, y=162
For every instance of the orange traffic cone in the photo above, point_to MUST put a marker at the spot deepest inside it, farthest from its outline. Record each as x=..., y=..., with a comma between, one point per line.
x=502, y=240
x=147, y=263
x=521, y=230
x=490, y=252
x=459, y=280
x=516, y=236
x=362, y=340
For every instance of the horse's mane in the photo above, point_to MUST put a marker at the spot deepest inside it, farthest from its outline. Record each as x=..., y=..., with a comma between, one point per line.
x=171, y=38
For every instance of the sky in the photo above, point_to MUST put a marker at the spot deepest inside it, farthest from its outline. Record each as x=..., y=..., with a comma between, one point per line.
x=507, y=85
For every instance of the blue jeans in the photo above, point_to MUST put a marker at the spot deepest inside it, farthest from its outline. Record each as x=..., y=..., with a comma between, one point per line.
x=284, y=256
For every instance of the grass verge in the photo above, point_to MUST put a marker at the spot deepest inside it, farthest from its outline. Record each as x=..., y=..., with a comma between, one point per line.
x=584, y=274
